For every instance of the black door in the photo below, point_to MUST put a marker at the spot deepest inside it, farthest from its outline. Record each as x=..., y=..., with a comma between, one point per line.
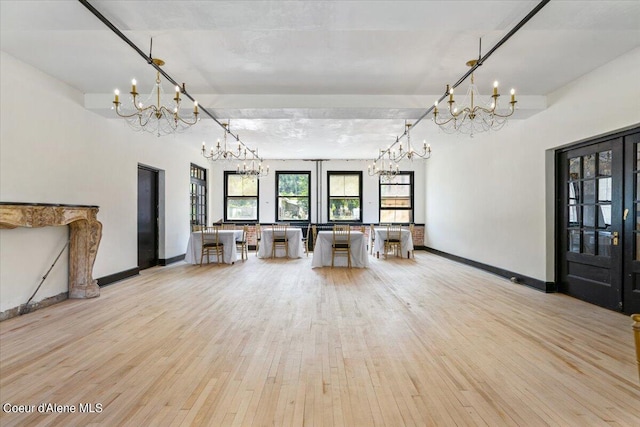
x=631, y=218
x=590, y=189
x=147, y=217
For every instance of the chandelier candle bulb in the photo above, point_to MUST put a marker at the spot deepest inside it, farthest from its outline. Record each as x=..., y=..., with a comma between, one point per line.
x=133, y=86
x=195, y=107
x=495, y=88
x=117, y=93
x=513, y=96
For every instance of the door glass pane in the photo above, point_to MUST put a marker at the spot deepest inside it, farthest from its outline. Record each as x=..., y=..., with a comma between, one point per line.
x=604, y=216
x=574, y=168
x=604, y=190
x=589, y=191
x=574, y=241
x=590, y=166
x=604, y=243
x=589, y=216
x=574, y=193
x=637, y=156
x=637, y=246
x=588, y=242
x=574, y=216
x=637, y=208
x=638, y=186
x=604, y=163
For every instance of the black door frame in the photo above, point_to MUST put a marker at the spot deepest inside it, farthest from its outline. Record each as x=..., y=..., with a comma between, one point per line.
x=625, y=228
x=156, y=228
x=631, y=234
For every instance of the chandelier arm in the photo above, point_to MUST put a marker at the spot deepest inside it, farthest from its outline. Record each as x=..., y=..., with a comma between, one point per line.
x=481, y=59
x=149, y=61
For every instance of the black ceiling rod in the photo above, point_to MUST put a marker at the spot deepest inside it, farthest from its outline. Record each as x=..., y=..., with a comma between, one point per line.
x=149, y=61
x=480, y=61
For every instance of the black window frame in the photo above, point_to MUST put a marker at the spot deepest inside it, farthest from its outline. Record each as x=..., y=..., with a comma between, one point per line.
x=227, y=197
x=198, y=195
x=411, y=208
x=277, y=194
x=360, y=196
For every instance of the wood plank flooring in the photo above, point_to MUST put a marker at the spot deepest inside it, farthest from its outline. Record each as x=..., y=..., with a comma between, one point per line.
x=424, y=342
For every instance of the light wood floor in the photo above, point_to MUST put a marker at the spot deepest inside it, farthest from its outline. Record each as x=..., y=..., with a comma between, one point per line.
x=274, y=342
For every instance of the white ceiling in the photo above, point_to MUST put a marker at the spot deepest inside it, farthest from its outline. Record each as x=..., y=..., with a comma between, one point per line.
x=318, y=79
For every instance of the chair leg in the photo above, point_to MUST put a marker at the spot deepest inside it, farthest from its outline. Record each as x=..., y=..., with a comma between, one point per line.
x=349, y=258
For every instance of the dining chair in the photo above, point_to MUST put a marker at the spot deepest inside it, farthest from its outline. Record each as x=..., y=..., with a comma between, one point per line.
x=228, y=226
x=372, y=234
x=341, y=243
x=393, y=240
x=242, y=243
x=314, y=235
x=258, y=237
x=411, y=229
x=305, y=239
x=196, y=227
x=211, y=243
x=280, y=239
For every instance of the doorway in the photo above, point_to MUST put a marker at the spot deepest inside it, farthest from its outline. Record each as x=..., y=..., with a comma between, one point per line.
x=147, y=217
x=598, y=240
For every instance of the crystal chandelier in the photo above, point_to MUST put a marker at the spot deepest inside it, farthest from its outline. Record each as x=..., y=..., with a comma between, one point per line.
x=254, y=169
x=473, y=116
x=386, y=164
x=150, y=115
x=381, y=168
x=222, y=152
x=408, y=152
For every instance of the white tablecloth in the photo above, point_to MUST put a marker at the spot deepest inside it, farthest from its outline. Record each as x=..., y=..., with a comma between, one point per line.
x=296, y=250
x=406, y=242
x=226, y=237
x=322, y=251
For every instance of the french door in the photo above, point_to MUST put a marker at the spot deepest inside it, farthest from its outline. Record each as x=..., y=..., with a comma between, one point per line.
x=631, y=219
x=598, y=240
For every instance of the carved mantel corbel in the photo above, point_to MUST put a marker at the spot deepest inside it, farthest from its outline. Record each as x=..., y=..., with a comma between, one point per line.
x=84, y=239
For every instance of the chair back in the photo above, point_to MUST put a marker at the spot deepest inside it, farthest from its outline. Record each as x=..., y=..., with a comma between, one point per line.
x=341, y=234
x=228, y=226
x=196, y=227
x=209, y=235
x=394, y=232
x=279, y=231
x=258, y=231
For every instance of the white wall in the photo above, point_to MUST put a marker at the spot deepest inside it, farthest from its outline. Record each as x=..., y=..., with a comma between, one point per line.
x=267, y=188
x=487, y=196
x=53, y=150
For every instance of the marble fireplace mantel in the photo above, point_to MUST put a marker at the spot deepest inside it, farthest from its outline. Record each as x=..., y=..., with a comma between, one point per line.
x=84, y=239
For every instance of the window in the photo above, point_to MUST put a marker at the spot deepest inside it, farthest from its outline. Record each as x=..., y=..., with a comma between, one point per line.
x=293, y=197
x=345, y=196
x=396, y=198
x=198, y=195
x=240, y=197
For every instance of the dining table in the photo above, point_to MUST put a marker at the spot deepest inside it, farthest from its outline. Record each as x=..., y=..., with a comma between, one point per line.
x=323, y=249
x=228, y=239
x=296, y=248
x=406, y=241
